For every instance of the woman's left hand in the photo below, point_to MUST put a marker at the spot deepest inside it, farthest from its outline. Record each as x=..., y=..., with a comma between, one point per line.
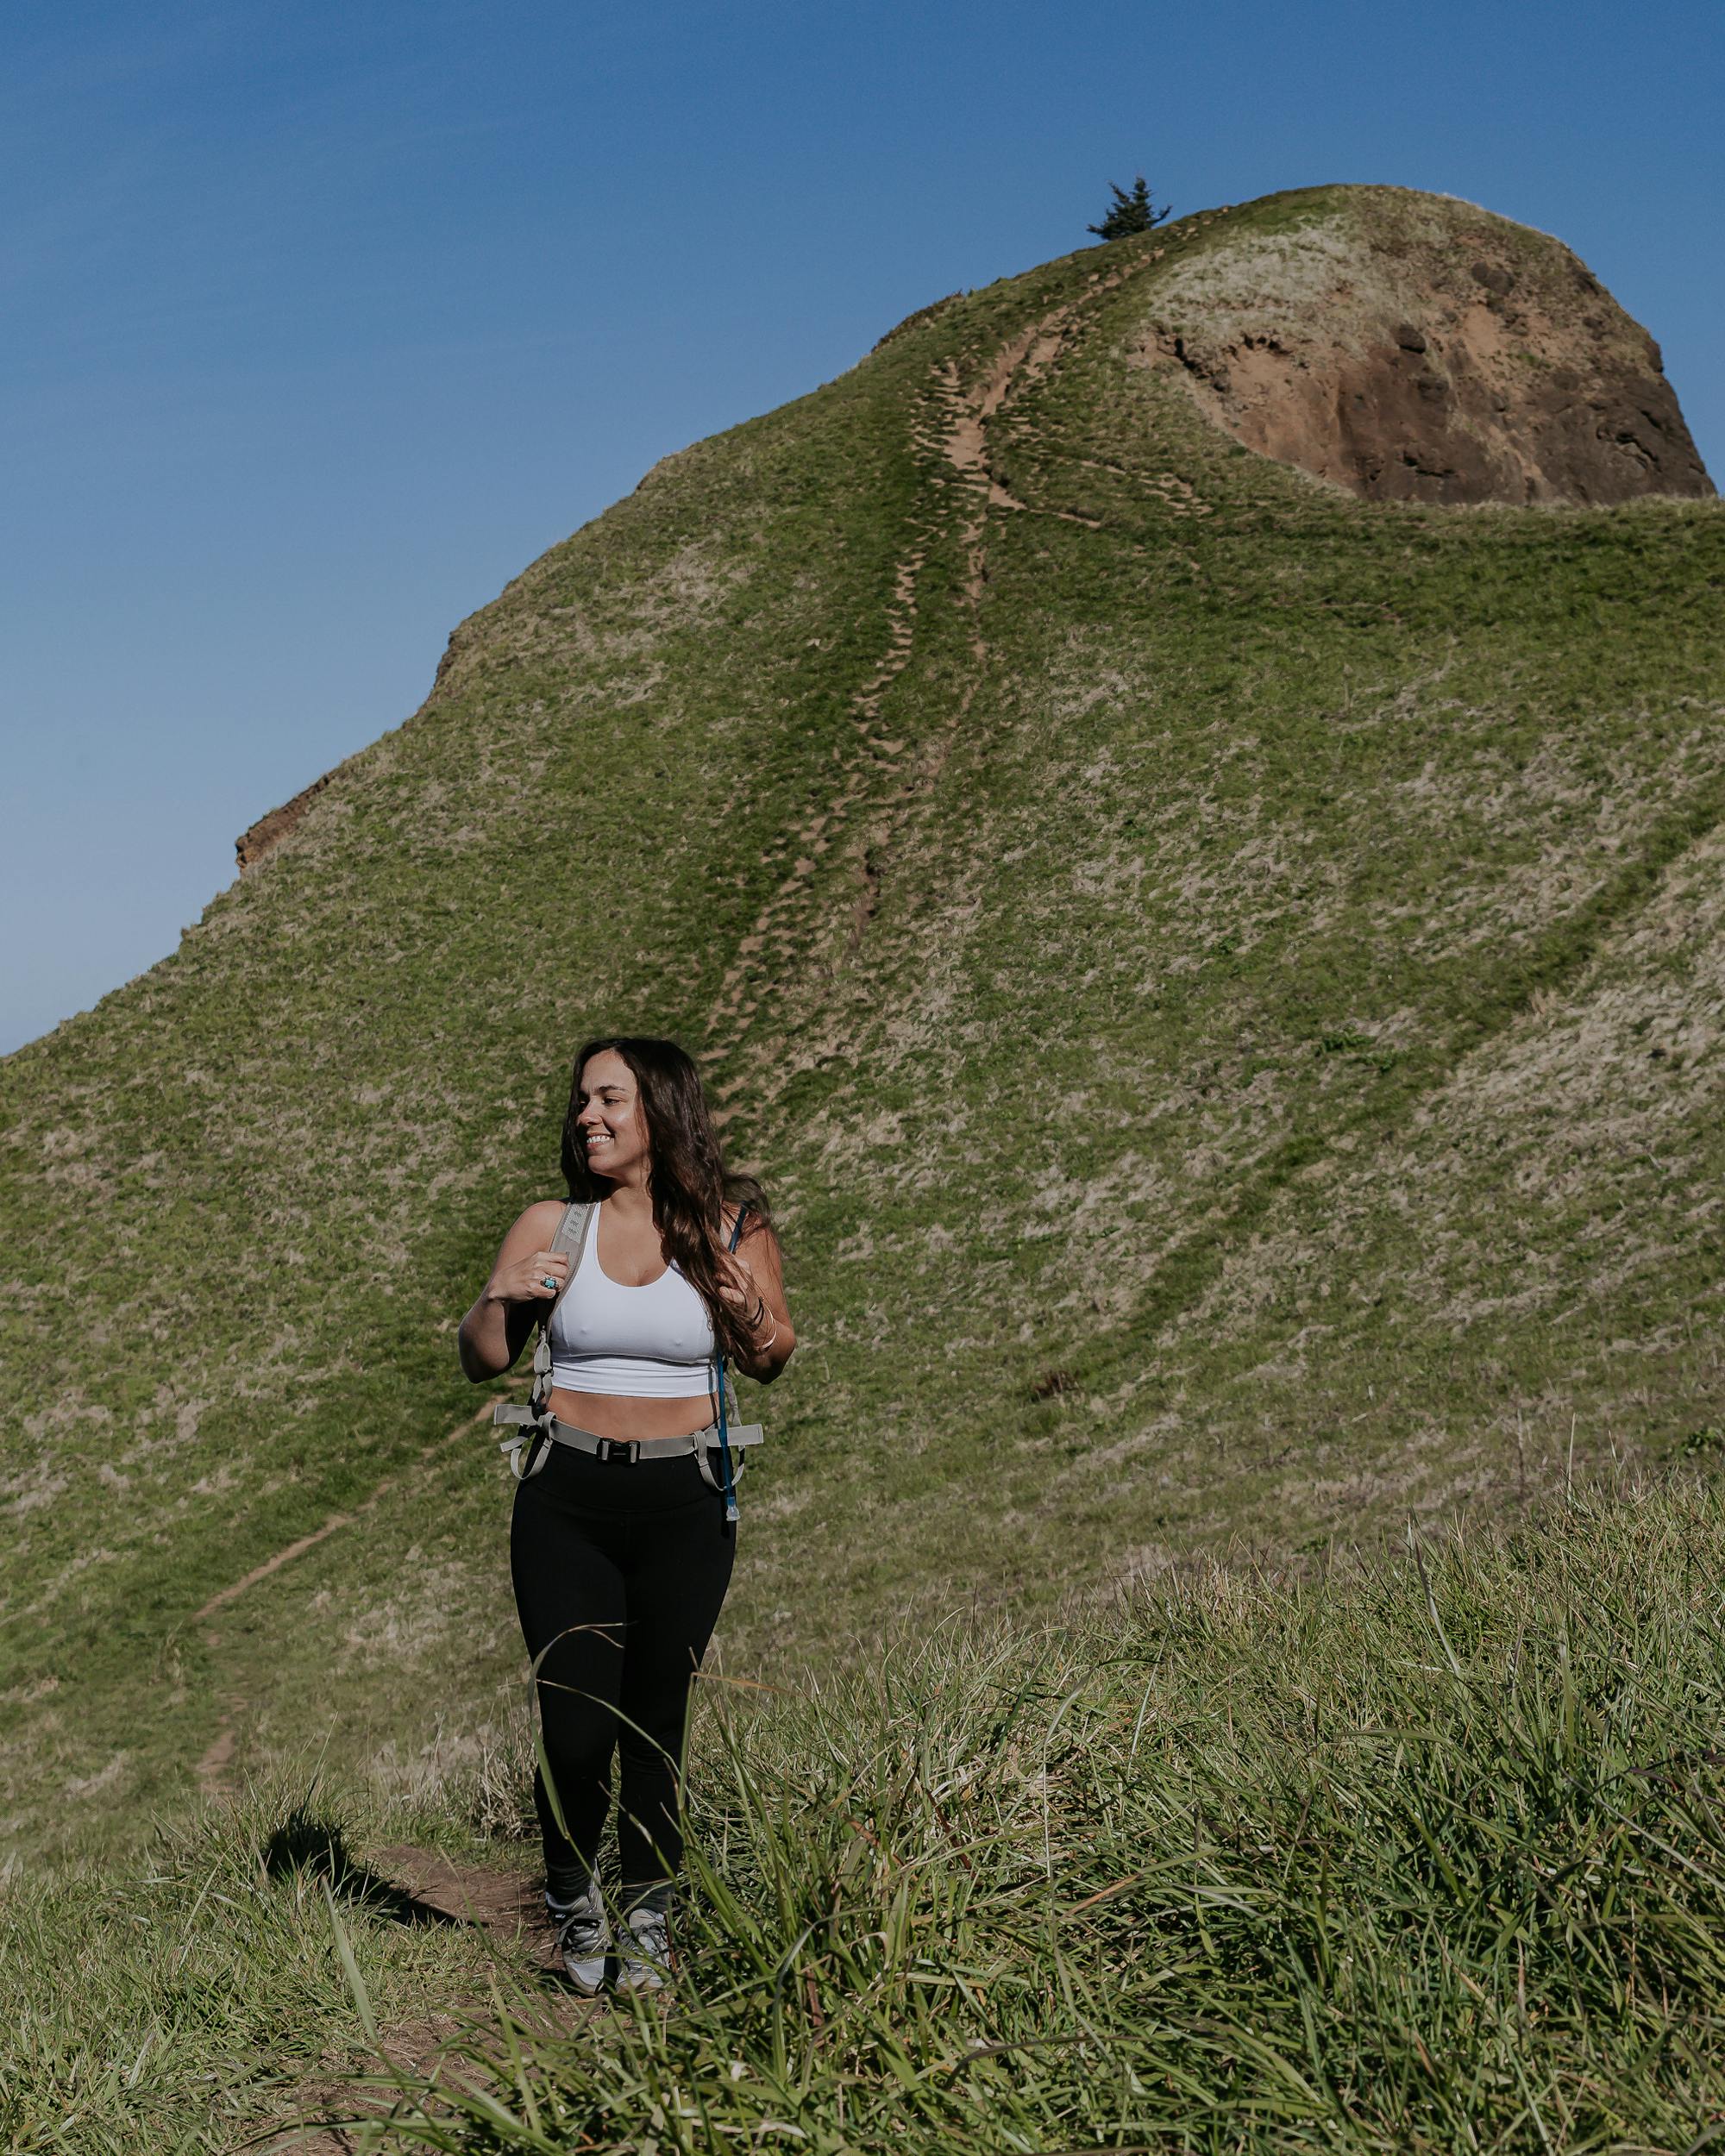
x=751, y=1283
x=737, y=1288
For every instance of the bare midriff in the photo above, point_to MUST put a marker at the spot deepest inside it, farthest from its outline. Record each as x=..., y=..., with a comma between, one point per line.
x=618, y=1416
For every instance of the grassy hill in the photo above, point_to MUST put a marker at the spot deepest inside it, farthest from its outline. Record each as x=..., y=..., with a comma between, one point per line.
x=1222, y=979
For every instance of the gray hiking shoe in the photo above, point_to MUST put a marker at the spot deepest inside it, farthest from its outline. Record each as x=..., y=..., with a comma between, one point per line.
x=646, y=1961
x=583, y=1937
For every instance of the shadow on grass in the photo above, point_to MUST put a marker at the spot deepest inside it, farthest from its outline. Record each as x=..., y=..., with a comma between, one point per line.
x=307, y=1844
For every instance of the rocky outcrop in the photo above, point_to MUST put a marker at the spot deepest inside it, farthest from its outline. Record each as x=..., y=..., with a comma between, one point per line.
x=261, y=837
x=1410, y=347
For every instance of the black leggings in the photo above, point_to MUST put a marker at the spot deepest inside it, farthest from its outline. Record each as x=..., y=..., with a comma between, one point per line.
x=619, y=1570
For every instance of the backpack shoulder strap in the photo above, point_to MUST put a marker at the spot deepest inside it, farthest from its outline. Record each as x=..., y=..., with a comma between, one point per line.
x=736, y=1237
x=571, y=1238
x=727, y=1406
x=572, y=1229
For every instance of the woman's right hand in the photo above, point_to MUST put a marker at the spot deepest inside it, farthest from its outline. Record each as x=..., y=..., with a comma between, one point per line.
x=513, y=1300
x=535, y=1278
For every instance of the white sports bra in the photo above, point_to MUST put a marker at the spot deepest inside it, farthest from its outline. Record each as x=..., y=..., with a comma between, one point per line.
x=651, y=1343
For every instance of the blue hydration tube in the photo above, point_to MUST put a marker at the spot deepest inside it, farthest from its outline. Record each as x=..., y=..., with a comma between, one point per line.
x=730, y=1513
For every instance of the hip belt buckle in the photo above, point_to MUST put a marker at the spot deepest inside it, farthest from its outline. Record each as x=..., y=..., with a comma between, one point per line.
x=618, y=1449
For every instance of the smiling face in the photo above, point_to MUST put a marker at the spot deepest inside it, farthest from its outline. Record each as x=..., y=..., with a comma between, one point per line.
x=611, y=1126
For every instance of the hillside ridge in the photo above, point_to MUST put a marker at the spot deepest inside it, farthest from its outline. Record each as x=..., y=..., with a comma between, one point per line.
x=1357, y=386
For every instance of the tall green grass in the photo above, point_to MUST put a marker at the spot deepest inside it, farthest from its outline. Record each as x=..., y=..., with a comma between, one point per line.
x=1428, y=1854
x=1430, y=1858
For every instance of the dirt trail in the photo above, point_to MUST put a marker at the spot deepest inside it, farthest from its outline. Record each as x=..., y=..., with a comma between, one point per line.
x=966, y=445
x=509, y=1906
x=211, y=1769
x=956, y=427
x=420, y=1887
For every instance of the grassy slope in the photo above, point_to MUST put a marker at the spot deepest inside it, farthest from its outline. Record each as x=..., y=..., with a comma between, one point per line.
x=1256, y=983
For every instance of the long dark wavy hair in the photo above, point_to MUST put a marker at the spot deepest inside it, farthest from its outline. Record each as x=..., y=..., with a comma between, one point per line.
x=689, y=1182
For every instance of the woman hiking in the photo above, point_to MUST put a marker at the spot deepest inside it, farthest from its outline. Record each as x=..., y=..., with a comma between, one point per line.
x=620, y=1547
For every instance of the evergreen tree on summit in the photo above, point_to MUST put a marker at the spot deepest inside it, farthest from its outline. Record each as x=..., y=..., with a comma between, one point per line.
x=1130, y=213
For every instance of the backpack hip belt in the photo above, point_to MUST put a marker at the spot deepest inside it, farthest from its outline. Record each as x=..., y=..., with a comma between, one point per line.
x=531, y=1427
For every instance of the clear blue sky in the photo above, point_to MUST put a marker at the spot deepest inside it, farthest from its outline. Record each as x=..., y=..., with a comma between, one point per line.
x=322, y=321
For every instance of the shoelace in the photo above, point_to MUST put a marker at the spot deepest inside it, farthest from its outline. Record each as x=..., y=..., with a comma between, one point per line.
x=650, y=1937
x=580, y=1930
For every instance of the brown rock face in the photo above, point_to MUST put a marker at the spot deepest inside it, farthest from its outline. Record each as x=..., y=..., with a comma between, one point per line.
x=251, y=846
x=1411, y=348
